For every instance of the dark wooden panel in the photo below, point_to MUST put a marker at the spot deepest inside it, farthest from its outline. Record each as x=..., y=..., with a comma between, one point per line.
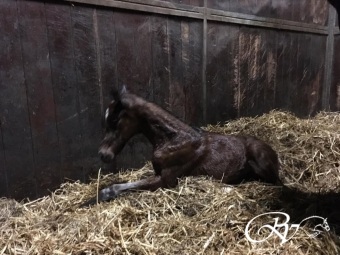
x=302, y=77
x=266, y=81
x=160, y=61
x=107, y=63
x=335, y=89
x=134, y=59
x=142, y=54
x=40, y=94
x=60, y=37
x=176, y=87
x=222, y=72
x=283, y=70
x=192, y=56
x=293, y=72
x=281, y=9
x=313, y=12
x=243, y=6
x=317, y=69
x=106, y=43
x=15, y=124
x=3, y=173
x=219, y=4
x=305, y=95
x=250, y=47
x=88, y=90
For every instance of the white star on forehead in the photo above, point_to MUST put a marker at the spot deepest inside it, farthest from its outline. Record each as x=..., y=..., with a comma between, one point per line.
x=107, y=113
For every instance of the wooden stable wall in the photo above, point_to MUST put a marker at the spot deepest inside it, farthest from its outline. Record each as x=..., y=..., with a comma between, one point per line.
x=207, y=61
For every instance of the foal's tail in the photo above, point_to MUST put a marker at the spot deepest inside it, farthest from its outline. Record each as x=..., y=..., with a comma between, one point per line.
x=263, y=160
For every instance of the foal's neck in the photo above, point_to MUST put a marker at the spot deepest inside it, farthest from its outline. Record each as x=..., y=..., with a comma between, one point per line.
x=161, y=126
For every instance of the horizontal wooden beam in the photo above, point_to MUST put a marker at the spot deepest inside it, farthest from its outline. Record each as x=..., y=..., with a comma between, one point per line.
x=195, y=12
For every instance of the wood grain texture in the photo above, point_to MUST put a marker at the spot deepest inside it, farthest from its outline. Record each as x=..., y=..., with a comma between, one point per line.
x=3, y=171
x=160, y=61
x=134, y=60
x=192, y=48
x=37, y=70
x=335, y=89
x=87, y=85
x=15, y=121
x=222, y=72
x=66, y=96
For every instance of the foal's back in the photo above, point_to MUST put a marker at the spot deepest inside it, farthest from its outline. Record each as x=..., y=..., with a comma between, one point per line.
x=233, y=159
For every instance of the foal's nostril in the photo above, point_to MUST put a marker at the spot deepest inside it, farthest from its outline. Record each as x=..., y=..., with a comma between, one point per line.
x=106, y=157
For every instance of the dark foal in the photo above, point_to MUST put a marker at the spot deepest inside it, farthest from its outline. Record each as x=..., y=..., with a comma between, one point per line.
x=180, y=150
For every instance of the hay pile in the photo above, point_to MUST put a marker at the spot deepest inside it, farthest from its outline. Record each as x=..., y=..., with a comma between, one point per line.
x=200, y=216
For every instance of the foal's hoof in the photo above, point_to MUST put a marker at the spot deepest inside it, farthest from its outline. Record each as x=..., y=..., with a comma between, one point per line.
x=102, y=198
x=92, y=201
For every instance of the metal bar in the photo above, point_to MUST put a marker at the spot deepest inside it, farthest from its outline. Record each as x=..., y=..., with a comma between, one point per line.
x=329, y=59
x=160, y=7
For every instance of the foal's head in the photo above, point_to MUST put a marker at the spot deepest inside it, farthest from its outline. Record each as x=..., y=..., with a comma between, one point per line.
x=121, y=123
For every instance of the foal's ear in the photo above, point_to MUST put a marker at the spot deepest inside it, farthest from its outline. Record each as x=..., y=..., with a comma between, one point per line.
x=117, y=94
x=123, y=90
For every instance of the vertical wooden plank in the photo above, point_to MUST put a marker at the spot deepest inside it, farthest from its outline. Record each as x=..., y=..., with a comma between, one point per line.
x=297, y=104
x=107, y=53
x=107, y=65
x=3, y=172
x=192, y=48
x=177, y=94
x=221, y=70
x=292, y=72
x=268, y=72
x=60, y=37
x=299, y=10
x=142, y=56
x=127, y=25
x=335, y=89
x=281, y=9
x=244, y=6
x=40, y=94
x=304, y=79
x=134, y=69
x=88, y=90
x=319, y=12
x=250, y=42
x=15, y=124
x=329, y=52
x=310, y=11
x=223, y=5
x=317, y=69
x=263, y=8
x=283, y=73
x=160, y=61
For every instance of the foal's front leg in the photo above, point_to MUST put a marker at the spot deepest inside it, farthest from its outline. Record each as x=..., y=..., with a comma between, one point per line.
x=111, y=192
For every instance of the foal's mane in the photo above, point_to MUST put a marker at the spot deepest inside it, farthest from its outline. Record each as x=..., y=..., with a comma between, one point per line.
x=152, y=113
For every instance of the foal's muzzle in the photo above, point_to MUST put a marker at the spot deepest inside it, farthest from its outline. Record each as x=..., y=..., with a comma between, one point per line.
x=106, y=155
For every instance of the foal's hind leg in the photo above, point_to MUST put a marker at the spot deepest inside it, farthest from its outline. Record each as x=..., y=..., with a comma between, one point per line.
x=263, y=160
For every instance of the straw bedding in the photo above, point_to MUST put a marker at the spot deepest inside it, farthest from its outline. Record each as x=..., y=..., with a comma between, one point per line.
x=200, y=216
